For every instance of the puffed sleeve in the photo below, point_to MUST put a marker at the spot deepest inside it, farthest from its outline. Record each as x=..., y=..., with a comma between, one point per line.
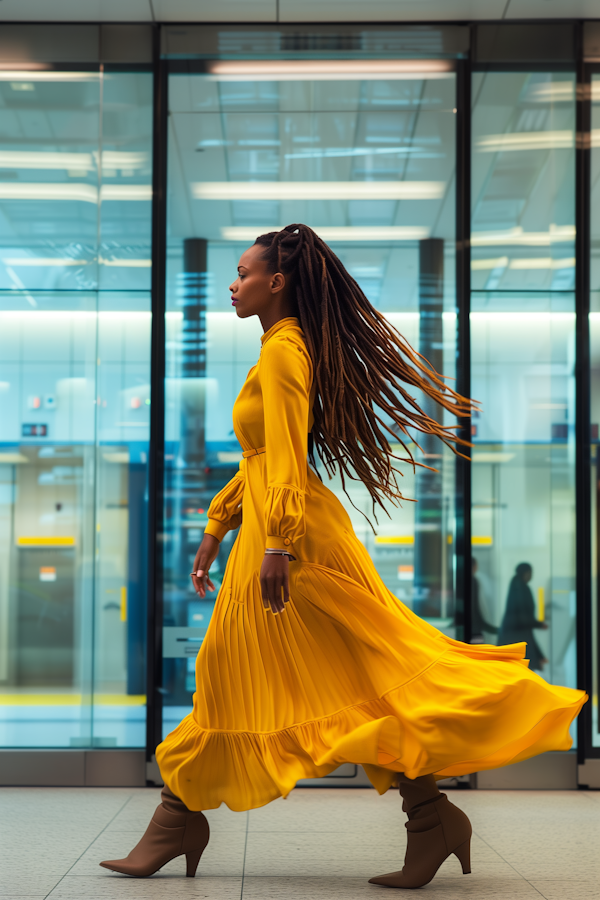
x=225, y=510
x=286, y=379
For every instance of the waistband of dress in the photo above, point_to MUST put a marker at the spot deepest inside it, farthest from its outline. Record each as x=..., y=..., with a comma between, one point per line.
x=248, y=453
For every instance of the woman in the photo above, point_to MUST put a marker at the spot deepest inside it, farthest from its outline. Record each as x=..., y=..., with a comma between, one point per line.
x=309, y=661
x=519, y=617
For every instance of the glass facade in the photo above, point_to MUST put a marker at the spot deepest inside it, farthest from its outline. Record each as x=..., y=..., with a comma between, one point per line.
x=75, y=313
x=363, y=138
x=523, y=365
x=369, y=163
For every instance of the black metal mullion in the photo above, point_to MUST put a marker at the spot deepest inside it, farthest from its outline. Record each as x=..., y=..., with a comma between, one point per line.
x=463, y=305
x=157, y=408
x=583, y=549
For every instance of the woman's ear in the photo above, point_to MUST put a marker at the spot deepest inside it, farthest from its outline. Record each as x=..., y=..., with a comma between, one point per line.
x=277, y=283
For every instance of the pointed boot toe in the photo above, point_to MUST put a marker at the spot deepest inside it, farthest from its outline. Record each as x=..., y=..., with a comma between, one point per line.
x=116, y=865
x=392, y=880
x=173, y=831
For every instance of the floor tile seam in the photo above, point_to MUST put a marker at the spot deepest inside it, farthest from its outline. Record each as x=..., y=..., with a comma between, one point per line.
x=118, y=812
x=244, y=859
x=509, y=864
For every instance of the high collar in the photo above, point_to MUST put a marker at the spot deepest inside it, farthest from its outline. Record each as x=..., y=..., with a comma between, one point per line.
x=288, y=322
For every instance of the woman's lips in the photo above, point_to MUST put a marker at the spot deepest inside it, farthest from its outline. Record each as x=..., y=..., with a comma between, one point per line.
x=233, y=301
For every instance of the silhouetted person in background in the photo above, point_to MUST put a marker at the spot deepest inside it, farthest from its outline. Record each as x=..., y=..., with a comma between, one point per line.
x=519, y=617
x=478, y=622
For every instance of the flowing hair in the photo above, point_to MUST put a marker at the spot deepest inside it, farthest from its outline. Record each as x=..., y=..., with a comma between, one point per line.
x=362, y=367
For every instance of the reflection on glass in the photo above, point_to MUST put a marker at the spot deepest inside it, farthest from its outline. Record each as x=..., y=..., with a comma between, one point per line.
x=522, y=352
x=523, y=181
x=370, y=166
x=594, y=323
x=74, y=408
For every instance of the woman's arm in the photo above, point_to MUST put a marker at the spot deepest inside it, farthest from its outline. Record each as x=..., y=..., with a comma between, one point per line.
x=286, y=379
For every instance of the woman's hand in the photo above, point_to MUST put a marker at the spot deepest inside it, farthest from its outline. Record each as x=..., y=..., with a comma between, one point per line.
x=275, y=582
x=205, y=557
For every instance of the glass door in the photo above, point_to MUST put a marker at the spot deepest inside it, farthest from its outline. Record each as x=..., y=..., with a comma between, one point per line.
x=523, y=365
x=365, y=155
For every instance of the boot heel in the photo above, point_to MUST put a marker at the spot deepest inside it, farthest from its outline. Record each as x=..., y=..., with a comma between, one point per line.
x=192, y=859
x=463, y=854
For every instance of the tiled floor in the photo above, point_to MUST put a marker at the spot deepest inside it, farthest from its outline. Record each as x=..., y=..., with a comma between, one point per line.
x=318, y=844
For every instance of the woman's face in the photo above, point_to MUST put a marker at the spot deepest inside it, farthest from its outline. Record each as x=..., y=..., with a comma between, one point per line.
x=255, y=288
x=527, y=575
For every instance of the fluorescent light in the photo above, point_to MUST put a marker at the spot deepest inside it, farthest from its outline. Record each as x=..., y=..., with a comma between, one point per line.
x=127, y=263
x=526, y=140
x=42, y=261
x=329, y=69
x=15, y=190
x=126, y=192
x=72, y=162
x=35, y=72
x=343, y=152
x=85, y=193
x=244, y=234
x=500, y=262
x=37, y=261
x=121, y=159
x=543, y=263
x=516, y=236
x=318, y=190
x=19, y=159
x=492, y=457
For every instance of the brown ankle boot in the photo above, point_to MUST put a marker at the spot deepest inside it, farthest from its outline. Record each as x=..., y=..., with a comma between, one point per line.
x=436, y=829
x=173, y=831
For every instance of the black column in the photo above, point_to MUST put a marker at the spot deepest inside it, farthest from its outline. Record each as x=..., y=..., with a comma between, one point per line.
x=192, y=456
x=428, y=555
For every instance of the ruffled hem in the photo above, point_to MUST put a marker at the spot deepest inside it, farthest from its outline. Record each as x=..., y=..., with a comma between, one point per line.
x=520, y=718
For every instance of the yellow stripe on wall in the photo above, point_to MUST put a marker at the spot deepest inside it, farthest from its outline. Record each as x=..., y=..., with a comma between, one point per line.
x=541, y=604
x=72, y=699
x=27, y=541
x=123, y=604
x=395, y=539
x=482, y=540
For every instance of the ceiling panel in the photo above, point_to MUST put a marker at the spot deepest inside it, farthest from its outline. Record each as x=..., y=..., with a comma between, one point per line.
x=553, y=9
x=291, y=10
x=209, y=11
x=76, y=11
x=390, y=10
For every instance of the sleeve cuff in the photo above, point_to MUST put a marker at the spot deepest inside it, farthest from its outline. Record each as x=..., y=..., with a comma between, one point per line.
x=279, y=543
x=217, y=529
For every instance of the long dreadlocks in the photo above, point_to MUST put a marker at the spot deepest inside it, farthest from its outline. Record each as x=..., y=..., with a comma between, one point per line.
x=362, y=367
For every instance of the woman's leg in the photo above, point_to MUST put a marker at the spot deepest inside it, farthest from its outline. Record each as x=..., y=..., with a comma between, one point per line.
x=436, y=829
x=174, y=830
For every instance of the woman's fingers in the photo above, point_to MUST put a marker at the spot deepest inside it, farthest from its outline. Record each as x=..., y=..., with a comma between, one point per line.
x=202, y=582
x=271, y=589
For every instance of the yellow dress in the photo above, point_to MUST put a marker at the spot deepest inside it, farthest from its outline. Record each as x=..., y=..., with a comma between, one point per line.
x=347, y=674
